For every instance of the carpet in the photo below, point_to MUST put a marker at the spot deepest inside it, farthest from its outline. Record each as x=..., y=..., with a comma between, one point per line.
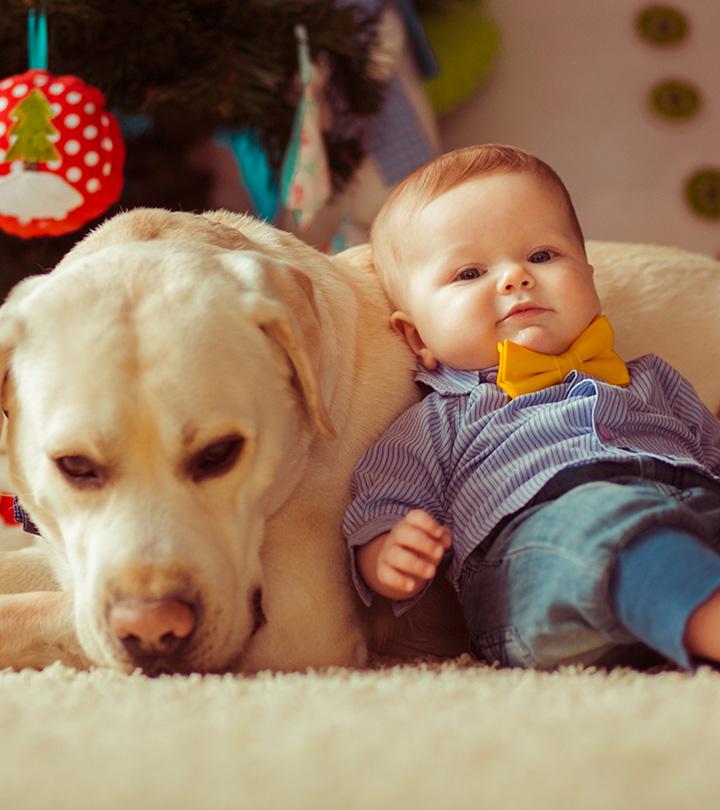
x=451, y=735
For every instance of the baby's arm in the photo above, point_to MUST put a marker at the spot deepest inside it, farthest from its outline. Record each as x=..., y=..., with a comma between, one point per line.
x=398, y=564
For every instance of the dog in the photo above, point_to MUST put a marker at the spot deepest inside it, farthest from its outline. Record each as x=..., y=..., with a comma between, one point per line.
x=174, y=392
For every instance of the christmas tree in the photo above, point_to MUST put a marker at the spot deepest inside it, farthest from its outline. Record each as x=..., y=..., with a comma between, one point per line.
x=175, y=73
x=32, y=131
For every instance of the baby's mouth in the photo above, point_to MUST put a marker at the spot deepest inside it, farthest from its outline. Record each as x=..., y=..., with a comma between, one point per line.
x=524, y=312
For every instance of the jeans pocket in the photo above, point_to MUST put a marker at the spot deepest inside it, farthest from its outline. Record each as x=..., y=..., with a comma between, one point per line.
x=503, y=646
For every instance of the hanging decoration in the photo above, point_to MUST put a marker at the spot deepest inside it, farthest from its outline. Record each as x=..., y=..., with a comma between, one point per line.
x=61, y=152
x=465, y=42
x=305, y=184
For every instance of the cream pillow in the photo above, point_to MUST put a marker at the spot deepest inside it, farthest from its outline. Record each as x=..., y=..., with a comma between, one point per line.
x=663, y=301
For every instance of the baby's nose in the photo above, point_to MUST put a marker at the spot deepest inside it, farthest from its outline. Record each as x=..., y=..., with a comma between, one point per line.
x=515, y=277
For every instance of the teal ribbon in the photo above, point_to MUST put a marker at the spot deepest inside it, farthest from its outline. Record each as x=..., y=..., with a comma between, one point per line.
x=252, y=161
x=37, y=39
x=255, y=170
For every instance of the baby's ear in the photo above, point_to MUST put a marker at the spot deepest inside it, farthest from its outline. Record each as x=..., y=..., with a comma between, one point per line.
x=404, y=326
x=407, y=330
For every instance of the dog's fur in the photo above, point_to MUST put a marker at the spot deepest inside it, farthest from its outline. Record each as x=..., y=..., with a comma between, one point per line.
x=158, y=334
x=162, y=333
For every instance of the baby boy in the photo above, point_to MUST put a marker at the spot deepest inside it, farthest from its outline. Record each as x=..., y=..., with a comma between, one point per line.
x=576, y=498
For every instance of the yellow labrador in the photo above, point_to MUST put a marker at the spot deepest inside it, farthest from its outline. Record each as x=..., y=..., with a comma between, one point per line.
x=175, y=389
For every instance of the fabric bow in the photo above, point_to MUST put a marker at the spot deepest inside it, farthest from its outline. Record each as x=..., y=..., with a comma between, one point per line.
x=524, y=371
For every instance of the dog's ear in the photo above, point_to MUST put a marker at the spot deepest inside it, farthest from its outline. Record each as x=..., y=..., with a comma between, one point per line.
x=12, y=321
x=359, y=257
x=11, y=330
x=280, y=299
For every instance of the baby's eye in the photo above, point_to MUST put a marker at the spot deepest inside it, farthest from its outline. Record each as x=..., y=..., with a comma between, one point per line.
x=541, y=256
x=469, y=273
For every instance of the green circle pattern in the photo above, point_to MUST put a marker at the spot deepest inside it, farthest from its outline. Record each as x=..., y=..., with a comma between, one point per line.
x=675, y=100
x=662, y=25
x=702, y=191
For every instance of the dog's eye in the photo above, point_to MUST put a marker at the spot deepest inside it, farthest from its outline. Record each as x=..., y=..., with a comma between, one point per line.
x=79, y=470
x=217, y=458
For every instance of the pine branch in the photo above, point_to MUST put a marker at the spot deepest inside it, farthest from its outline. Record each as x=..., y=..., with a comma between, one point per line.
x=196, y=66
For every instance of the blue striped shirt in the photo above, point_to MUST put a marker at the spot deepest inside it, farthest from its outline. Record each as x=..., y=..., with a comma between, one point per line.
x=470, y=455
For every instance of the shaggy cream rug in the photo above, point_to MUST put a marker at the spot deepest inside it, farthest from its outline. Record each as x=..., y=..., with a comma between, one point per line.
x=456, y=735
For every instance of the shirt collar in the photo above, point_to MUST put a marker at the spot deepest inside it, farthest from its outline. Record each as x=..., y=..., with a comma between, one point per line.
x=446, y=380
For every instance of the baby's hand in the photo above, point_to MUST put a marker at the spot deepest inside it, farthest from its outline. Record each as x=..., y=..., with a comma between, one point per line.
x=410, y=554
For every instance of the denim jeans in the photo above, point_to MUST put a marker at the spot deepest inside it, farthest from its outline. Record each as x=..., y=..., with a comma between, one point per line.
x=537, y=593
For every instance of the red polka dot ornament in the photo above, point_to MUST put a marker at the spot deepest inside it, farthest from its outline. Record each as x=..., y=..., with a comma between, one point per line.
x=61, y=152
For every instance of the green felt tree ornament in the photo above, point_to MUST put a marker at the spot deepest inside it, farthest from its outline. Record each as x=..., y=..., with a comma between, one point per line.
x=32, y=130
x=466, y=42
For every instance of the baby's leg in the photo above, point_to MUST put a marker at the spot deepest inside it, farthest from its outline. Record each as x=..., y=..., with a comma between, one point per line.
x=702, y=632
x=542, y=595
x=666, y=590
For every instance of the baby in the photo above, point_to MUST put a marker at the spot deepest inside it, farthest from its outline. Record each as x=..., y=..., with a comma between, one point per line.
x=576, y=498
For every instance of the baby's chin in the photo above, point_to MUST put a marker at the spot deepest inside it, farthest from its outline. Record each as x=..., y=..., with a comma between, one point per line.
x=539, y=340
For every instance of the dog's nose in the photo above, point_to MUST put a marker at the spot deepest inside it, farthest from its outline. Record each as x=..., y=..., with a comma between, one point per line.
x=156, y=627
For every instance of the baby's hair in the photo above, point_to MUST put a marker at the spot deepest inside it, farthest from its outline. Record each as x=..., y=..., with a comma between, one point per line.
x=442, y=174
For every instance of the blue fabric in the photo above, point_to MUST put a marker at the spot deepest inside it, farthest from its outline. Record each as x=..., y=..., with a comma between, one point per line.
x=540, y=593
x=396, y=138
x=661, y=577
x=471, y=456
x=255, y=170
x=424, y=55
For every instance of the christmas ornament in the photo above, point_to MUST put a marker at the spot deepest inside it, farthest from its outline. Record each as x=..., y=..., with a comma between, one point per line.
x=61, y=152
x=466, y=43
x=305, y=184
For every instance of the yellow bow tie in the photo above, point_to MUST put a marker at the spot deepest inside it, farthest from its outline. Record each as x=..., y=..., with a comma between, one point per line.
x=523, y=371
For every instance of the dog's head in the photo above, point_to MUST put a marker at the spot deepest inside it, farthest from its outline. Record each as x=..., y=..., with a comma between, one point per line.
x=161, y=398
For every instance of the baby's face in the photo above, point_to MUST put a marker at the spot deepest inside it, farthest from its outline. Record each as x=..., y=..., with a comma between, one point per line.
x=494, y=258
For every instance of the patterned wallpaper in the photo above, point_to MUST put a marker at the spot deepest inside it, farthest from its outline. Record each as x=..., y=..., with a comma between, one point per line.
x=623, y=99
